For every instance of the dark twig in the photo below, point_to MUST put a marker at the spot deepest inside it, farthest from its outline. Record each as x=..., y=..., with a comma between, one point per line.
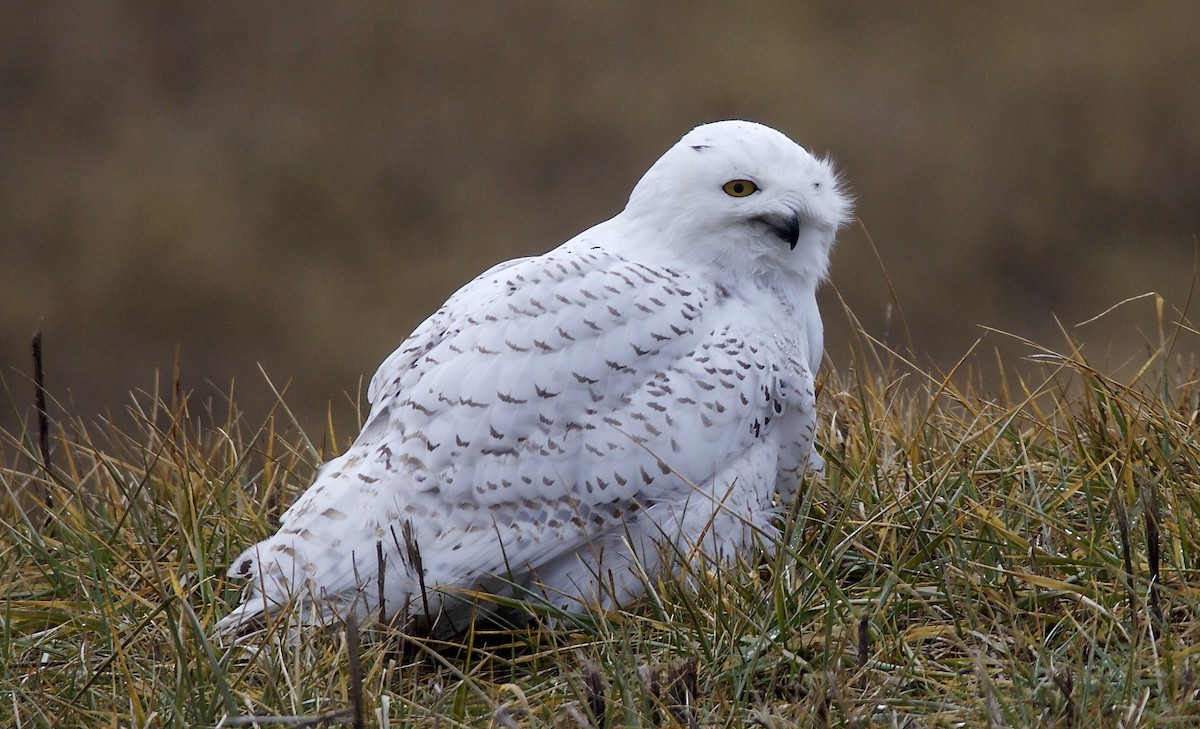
x=1150, y=512
x=380, y=565
x=414, y=561
x=1126, y=552
x=356, y=692
x=864, y=640
x=39, y=394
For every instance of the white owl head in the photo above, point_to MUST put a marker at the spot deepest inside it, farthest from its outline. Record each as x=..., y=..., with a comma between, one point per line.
x=744, y=197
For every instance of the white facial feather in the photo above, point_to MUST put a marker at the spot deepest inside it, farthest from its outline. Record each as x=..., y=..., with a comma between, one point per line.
x=681, y=198
x=643, y=390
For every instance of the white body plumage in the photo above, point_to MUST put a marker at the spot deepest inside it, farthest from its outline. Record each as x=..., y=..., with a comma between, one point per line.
x=644, y=389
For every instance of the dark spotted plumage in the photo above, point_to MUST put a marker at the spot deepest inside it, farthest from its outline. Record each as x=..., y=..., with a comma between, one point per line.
x=647, y=385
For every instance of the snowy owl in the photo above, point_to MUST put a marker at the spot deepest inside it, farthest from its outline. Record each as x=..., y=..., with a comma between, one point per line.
x=567, y=424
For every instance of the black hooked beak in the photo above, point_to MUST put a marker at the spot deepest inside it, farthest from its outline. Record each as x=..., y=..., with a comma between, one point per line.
x=787, y=227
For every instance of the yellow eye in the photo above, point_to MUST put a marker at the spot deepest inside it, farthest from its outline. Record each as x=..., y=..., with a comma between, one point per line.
x=739, y=188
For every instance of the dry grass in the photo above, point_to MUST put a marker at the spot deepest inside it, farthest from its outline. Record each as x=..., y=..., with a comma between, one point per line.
x=1021, y=554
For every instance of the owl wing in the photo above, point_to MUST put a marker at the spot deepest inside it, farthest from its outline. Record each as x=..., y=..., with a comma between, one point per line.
x=551, y=401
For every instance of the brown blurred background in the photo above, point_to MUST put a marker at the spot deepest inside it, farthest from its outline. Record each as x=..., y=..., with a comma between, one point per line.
x=299, y=184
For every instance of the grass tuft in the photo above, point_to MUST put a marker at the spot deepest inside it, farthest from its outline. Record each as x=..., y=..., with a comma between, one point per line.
x=1018, y=553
